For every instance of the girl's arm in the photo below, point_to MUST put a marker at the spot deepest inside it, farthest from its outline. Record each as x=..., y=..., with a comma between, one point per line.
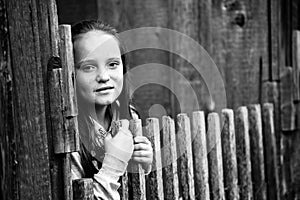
x=118, y=152
x=105, y=181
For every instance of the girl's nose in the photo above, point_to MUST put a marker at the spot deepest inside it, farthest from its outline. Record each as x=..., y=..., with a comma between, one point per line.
x=102, y=76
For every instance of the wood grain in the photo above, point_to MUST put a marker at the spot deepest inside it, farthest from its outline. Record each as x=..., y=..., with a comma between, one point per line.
x=286, y=100
x=270, y=149
x=200, y=156
x=137, y=175
x=296, y=65
x=169, y=157
x=214, y=149
x=240, y=48
x=185, y=160
x=154, y=181
x=229, y=155
x=83, y=189
x=257, y=152
x=243, y=153
x=28, y=69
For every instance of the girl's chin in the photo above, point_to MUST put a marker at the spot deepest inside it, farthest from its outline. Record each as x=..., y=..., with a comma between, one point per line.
x=103, y=102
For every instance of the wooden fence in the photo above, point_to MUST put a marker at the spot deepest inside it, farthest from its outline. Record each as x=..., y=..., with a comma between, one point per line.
x=232, y=159
x=232, y=156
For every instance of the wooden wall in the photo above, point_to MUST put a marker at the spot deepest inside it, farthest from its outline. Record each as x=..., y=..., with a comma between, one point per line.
x=250, y=42
x=28, y=39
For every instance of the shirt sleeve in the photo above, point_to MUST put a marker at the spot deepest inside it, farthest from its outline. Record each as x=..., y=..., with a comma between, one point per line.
x=105, y=182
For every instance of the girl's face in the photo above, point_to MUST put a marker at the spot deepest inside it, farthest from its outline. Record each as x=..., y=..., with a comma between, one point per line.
x=99, y=68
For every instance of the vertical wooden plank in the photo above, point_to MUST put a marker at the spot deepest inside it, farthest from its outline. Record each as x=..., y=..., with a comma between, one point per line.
x=243, y=153
x=7, y=133
x=57, y=119
x=270, y=149
x=123, y=190
x=257, y=153
x=239, y=44
x=286, y=100
x=295, y=160
x=52, y=49
x=70, y=135
x=229, y=155
x=137, y=176
x=272, y=96
x=275, y=39
x=296, y=65
x=53, y=23
x=32, y=168
x=295, y=165
x=200, y=156
x=154, y=181
x=215, y=164
x=66, y=54
x=295, y=136
x=68, y=195
x=169, y=157
x=83, y=189
x=62, y=85
x=185, y=161
x=185, y=19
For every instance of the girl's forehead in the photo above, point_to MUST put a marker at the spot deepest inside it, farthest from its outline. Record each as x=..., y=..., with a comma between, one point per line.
x=96, y=43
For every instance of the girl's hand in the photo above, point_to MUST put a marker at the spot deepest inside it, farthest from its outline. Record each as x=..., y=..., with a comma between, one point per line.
x=121, y=145
x=143, y=152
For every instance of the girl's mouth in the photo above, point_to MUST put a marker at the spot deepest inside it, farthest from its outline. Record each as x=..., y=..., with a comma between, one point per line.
x=104, y=88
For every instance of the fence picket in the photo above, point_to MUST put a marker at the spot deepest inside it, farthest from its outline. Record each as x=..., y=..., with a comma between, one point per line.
x=214, y=150
x=243, y=153
x=272, y=176
x=66, y=54
x=257, y=152
x=185, y=161
x=62, y=103
x=137, y=177
x=200, y=156
x=169, y=156
x=296, y=65
x=154, y=181
x=229, y=155
x=123, y=190
x=83, y=189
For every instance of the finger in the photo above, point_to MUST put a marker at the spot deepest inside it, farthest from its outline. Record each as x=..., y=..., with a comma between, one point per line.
x=142, y=146
x=142, y=154
x=141, y=139
x=142, y=160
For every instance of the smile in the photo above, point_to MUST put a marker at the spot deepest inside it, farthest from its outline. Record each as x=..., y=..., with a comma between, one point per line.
x=104, y=89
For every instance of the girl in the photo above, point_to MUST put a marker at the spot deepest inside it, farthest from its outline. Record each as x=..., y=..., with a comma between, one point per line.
x=102, y=93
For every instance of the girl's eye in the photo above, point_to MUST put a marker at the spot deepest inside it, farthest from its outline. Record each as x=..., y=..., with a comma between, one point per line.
x=88, y=68
x=113, y=65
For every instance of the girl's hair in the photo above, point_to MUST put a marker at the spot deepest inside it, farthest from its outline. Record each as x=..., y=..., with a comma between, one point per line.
x=94, y=25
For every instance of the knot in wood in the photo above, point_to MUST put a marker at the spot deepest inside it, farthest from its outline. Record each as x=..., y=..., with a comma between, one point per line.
x=54, y=63
x=240, y=19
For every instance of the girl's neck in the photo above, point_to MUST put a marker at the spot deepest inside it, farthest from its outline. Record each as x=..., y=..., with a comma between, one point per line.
x=98, y=113
x=102, y=116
